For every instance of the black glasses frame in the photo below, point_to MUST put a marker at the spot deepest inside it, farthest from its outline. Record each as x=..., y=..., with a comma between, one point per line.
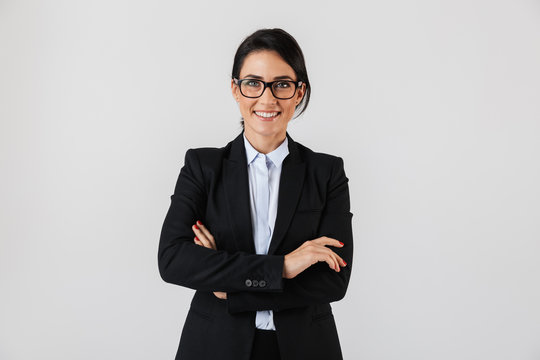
x=269, y=84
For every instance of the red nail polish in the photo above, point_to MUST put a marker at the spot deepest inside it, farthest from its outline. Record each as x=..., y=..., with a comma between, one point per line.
x=199, y=223
x=196, y=227
x=344, y=262
x=341, y=243
x=196, y=238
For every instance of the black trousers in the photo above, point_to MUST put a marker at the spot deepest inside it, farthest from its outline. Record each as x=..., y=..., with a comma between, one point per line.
x=265, y=345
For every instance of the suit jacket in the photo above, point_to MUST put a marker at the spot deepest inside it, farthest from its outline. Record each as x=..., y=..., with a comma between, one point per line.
x=313, y=201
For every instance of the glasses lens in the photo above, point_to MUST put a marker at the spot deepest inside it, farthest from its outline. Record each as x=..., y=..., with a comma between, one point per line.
x=251, y=88
x=283, y=89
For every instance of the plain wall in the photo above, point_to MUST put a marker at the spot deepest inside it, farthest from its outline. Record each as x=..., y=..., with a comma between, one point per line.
x=433, y=105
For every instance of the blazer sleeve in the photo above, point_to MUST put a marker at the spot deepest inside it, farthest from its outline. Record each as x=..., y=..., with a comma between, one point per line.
x=318, y=284
x=184, y=263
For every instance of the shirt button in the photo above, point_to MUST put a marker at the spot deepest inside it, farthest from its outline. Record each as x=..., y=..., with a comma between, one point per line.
x=248, y=283
x=255, y=283
x=262, y=283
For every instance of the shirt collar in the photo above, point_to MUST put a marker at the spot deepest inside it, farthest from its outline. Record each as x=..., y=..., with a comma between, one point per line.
x=276, y=156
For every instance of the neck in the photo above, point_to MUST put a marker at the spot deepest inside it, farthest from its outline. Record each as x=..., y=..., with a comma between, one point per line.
x=264, y=143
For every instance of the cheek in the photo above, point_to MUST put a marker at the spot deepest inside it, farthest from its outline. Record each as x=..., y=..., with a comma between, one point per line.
x=245, y=107
x=289, y=107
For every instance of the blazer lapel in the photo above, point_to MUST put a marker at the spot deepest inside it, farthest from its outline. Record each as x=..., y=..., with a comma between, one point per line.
x=236, y=182
x=290, y=188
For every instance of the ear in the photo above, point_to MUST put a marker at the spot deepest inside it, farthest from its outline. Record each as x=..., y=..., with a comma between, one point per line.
x=300, y=93
x=234, y=90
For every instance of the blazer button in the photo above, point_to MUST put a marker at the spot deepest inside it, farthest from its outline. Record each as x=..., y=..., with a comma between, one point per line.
x=255, y=283
x=262, y=283
x=248, y=283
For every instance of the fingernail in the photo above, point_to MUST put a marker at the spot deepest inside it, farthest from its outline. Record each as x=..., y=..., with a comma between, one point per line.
x=341, y=243
x=199, y=223
x=196, y=238
x=344, y=263
x=196, y=227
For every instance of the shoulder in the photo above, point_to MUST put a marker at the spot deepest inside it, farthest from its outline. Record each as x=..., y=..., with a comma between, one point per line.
x=208, y=154
x=316, y=159
x=325, y=167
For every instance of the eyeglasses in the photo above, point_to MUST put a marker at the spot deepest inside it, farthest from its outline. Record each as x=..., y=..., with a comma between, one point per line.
x=281, y=89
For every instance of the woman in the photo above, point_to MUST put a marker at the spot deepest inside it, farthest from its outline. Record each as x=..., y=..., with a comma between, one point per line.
x=261, y=228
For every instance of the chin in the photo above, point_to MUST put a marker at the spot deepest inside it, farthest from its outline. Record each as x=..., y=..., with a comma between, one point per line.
x=264, y=129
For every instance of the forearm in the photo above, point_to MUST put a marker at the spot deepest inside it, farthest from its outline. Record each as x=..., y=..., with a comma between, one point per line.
x=184, y=263
x=199, y=268
x=318, y=284
x=301, y=291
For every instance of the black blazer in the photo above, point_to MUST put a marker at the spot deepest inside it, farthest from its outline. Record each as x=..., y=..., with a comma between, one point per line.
x=313, y=201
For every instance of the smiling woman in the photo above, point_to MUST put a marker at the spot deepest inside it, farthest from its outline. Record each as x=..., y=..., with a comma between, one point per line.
x=261, y=228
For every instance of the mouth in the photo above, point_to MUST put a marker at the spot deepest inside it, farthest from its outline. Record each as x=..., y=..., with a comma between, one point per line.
x=267, y=115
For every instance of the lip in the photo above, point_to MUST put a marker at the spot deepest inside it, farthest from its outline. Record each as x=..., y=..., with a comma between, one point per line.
x=265, y=118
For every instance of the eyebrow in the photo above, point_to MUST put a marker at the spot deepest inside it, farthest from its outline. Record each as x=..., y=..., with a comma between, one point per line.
x=282, y=77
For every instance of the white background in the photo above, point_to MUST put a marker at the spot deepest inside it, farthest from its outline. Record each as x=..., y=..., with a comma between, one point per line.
x=433, y=105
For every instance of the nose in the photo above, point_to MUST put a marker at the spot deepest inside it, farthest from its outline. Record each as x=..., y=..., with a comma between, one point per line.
x=267, y=96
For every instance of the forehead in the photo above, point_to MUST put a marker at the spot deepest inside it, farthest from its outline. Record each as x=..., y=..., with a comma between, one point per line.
x=265, y=63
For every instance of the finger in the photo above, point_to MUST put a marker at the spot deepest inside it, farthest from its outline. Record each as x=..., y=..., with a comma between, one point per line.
x=220, y=294
x=322, y=253
x=338, y=259
x=208, y=241
x=198, y=242
x=324, y=240
x=207, y=233
x=200, y=235
x=335, y=263
x=318, y=247
x=331, y=258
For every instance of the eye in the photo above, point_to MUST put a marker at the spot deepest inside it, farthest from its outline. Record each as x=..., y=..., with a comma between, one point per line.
x=283, y=84
x=252, y=83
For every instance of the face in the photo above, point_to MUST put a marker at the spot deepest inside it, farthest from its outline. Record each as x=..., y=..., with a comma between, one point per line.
x=266, y=115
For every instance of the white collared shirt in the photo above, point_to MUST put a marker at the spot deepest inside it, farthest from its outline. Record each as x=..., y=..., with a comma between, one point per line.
x=274, y=160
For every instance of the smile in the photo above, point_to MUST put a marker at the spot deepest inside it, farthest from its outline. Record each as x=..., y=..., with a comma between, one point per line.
x=265, y=115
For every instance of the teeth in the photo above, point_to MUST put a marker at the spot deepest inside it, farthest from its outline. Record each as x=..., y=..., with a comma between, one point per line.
x=266, y=114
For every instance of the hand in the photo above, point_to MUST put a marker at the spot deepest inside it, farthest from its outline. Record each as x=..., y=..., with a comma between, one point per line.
x=220, y=294
x=204, y=238
x=311, y=252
